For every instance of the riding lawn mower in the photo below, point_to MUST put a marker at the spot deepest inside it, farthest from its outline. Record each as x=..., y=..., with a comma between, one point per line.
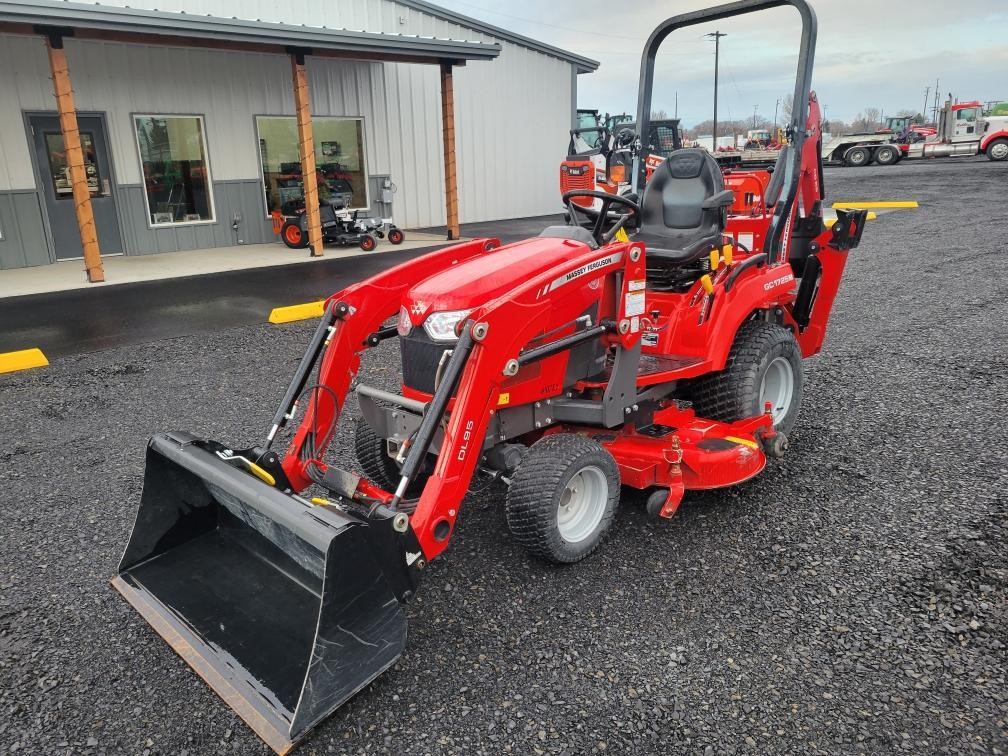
x=566, y=366
x=341, y=227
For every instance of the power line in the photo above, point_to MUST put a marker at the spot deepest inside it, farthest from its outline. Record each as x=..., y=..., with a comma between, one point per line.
x=716, y=35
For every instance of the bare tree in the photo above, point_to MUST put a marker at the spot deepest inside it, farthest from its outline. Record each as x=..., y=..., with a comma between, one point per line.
x=659, y=115
x=872, y=116
x=786, y=106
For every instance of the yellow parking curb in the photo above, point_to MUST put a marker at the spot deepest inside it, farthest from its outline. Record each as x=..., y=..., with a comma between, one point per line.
x=23, y=359
x=880, y=205
x=289, y=314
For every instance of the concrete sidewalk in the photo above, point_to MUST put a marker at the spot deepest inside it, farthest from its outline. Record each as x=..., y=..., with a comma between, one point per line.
x=123, y=269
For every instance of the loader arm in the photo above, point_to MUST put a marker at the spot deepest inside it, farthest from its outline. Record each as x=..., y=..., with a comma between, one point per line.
x=367, y=305
x=512, y=321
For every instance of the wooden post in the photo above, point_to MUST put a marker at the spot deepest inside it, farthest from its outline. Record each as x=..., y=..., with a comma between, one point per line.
x=75, y=157
x=448, y=134
x=306, y=149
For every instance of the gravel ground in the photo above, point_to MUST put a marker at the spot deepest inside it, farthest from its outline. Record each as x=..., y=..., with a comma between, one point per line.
x=853, y=598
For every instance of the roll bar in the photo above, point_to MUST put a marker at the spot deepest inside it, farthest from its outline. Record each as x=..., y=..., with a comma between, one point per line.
x=799, y=113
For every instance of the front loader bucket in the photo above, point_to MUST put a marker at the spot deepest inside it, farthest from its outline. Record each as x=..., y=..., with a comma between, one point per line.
x=285, y=609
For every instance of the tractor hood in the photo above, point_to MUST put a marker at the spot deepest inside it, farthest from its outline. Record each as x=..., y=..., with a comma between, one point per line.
x=482, y=279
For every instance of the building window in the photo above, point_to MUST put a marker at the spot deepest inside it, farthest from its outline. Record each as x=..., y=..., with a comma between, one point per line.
x=59, y=170
x=176, y=174
x=339, y=159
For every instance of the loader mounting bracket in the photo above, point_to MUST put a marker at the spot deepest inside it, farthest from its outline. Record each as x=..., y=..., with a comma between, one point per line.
x=847, y=229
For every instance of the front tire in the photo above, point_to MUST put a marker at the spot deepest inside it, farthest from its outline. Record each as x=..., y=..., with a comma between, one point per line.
x=764, y=365
x=293, y=235
x=563, y=498
x=395, y=236
x=997, y=150
x=368, y=242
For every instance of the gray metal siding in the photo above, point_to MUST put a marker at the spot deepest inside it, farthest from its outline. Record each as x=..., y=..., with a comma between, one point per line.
x=243, y=197
x=512, y=114
x=24, y=242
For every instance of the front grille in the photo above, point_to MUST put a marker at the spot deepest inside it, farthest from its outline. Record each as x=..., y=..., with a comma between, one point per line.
x=420, y=358
x=586, y=181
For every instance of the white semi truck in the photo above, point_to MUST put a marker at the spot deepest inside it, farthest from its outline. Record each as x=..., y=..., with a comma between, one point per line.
x=963, y=129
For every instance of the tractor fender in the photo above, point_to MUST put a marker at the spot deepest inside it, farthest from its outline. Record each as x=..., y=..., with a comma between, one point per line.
x=988, y=138
x=755, y=294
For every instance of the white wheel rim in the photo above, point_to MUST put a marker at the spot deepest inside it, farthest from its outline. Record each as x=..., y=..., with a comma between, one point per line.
x=857, y=157
x=582, y=504
x=777, y=388
x=1000, y=150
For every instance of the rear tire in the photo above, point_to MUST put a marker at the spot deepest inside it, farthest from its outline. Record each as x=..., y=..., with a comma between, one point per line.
x=563, y=498
x=395, y=236
x=997, y=150
x=857, y=157
x=293, y=235
x=886, y=155
x=764, y=364
x=368, y=242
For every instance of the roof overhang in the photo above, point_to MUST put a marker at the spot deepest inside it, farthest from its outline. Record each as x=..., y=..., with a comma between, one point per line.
x=581, y=63
x=93, y=21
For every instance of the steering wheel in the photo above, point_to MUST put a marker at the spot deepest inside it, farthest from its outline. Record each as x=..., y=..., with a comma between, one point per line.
x=601, y=234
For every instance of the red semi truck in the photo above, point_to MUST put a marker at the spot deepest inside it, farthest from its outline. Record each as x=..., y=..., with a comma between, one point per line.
x=963, y=129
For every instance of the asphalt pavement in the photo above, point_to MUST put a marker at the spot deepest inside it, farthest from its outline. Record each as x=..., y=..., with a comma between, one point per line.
x=851, y=599
x=88, y=320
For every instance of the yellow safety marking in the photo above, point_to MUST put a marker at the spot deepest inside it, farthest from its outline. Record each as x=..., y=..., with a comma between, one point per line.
x=880, y=204
x=504, y=398
x=707, y=284
x=621, y=236
x=320, y=502
x=22, y=360
x=264, y=476
x=715, y=259
x=744, y=441
x=306, y=311
x=726, y=253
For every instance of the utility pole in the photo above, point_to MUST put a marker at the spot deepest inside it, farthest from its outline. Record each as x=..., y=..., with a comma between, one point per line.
x=717, y=49
x=927, y=96
x=775, y=107
x=676, y=112
x=934, y=114
x=754, y=108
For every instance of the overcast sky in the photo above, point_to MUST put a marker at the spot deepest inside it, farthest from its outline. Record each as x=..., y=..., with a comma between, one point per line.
x=869, y=53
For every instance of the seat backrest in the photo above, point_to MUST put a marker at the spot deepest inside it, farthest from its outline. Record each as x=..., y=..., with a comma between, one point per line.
x=776, y=183
x=673, y=204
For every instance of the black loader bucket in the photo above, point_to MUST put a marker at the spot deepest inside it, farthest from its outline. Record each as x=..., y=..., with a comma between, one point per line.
x=284, y=608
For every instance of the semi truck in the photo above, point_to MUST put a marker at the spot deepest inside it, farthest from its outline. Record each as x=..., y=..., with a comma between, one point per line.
x=963, y=128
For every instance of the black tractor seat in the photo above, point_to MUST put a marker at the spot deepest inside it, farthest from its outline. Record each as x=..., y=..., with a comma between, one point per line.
x=684, y=211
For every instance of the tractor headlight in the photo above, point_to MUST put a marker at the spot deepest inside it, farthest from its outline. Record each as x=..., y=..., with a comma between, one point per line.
x=440, y=326
x=403, y=323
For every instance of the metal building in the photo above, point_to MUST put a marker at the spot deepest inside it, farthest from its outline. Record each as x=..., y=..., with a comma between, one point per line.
x=189, y=132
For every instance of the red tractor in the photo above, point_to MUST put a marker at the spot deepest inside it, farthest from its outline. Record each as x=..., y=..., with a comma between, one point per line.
x=564, y=366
